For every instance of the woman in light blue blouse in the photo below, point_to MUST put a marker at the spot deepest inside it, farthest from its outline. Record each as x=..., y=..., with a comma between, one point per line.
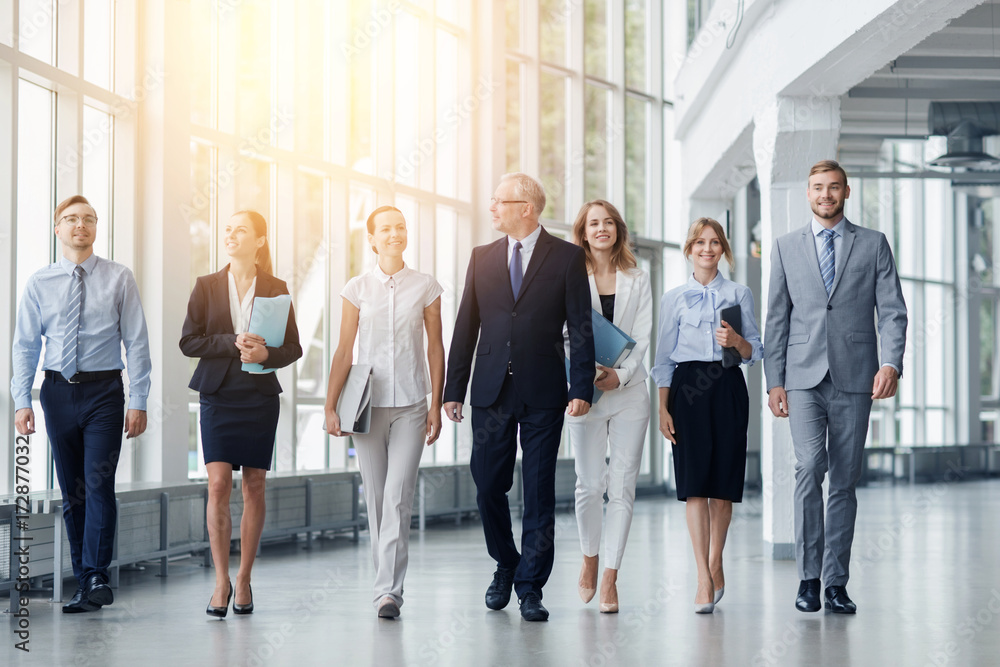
x=704, y=406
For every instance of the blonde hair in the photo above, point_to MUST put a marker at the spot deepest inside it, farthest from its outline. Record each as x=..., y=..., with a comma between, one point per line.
x=694, y=233
x=528, y=189
x=622, y=257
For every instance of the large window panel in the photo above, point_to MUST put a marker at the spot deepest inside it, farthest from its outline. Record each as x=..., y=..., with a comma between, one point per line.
x=446, y=273
x=361, y=205
x=636, y=163
x=361, y=156
x=6, y=22
x=596, y=53
x=98, y=23
x=636, y=44
x=989, y=365
x=985, y=253
x=410, y=155
x=597, y=154
x=253, y=69
x=198, y=212
x=202, y=51
x=310, y=447
x=98, y=131
x=512, y=31
x=938, y=315
x=310, y=79
x=36, y=27
x=554, y=97
x=553, y=16
x=513, y=124
x=451, y=114
x=411, y=214
x=309, y=282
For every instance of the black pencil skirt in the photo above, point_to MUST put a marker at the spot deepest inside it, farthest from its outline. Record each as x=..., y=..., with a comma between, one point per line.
x=711, y=409
x=238, y=422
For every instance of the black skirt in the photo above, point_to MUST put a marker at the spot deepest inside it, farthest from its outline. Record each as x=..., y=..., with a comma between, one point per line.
x=238, y=422
x=711, y=410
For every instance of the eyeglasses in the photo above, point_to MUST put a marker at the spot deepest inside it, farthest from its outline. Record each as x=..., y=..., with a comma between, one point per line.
x=74, y=220
x=494, y=201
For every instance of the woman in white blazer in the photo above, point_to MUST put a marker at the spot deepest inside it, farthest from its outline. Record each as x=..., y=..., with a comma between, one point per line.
x=620, y=417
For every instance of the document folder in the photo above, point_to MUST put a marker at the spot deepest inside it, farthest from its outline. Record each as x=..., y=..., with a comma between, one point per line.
x=355, y=404
x=734, y=318
x=268, y=319
x=611, y=345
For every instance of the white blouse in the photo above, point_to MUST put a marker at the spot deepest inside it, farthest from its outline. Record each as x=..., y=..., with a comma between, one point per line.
x=391, y=332
x=240, y=312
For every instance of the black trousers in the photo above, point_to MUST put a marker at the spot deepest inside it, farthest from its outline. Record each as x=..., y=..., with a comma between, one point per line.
x=494, y=453
x=85, y=424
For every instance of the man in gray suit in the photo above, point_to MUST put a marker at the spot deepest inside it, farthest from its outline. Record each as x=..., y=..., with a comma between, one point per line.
x=828, y=281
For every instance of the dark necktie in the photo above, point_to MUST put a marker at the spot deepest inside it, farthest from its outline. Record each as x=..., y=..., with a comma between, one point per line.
x=74, y=313
x=516, y=274
x=827, y=261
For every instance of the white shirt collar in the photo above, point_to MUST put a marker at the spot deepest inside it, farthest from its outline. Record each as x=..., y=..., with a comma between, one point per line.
x=528, y=242
x=383, y=277
x=838, y=229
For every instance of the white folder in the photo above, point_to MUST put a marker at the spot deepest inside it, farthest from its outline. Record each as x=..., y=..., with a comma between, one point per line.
x=355, y=404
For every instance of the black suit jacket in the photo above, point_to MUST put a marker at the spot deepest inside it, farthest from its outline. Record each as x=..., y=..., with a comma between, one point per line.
x=526, y=333
x=208, y=333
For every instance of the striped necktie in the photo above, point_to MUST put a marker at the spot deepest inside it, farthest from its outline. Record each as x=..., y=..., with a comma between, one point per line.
x=827, y=261
x=74, y=313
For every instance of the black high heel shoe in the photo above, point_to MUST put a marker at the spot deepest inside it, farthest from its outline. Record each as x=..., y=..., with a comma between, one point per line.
x=244, y=608
x=220, y=612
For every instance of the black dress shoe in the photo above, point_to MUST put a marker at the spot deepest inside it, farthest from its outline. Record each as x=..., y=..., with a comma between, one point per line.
x=79, y=603
x=220, y=612
x=498, y=594
x=808, y=598
x=837, y=600
x=532, y=609
x=244, y=608
x=98, y=591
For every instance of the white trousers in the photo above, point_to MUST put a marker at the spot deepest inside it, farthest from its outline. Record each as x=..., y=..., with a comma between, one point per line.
x=619, y=422
x=389, y=456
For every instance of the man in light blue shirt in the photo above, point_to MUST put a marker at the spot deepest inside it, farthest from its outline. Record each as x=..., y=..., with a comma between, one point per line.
x=85, y=308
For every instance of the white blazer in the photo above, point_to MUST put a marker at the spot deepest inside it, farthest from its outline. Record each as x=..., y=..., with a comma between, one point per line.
x=634, y=316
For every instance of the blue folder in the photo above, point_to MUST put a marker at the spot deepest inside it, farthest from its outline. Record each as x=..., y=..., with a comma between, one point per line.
x=268, y=320
x=611, y=345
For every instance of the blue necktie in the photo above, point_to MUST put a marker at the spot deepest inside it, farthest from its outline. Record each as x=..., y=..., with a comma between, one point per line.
x=827, y=261
x=74, y=313
x=516, y=274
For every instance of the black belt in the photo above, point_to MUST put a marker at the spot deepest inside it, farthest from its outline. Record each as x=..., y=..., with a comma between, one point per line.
x=82, y=376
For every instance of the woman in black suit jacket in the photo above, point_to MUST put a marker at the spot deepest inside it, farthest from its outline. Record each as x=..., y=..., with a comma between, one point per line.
x=239, y=410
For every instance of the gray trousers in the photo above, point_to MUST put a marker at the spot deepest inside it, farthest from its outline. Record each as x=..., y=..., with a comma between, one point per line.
x=829, y=428
x=389, y=456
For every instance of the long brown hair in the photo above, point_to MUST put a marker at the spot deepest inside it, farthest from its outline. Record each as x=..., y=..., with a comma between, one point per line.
x=263, y=257
x=622, y=257
x=697, y=227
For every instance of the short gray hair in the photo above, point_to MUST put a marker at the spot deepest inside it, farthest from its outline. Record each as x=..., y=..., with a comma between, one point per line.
x=528, y=189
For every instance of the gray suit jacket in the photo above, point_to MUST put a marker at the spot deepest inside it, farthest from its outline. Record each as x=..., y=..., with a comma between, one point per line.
x=808, y=333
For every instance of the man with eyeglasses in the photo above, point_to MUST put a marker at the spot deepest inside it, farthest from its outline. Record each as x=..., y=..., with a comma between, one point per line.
x=519, y=292
x=84, y=307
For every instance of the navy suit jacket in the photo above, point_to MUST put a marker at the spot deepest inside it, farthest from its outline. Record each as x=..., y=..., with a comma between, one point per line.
x=208, y=333
x=526, y=333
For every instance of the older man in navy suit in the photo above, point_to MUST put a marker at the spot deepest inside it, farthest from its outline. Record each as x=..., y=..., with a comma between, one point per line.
x=519, y=291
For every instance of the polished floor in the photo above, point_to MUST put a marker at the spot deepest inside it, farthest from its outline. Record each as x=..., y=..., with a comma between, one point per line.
x=926, y=577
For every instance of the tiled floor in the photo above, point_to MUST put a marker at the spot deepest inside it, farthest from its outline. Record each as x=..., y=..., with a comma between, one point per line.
x=926, y=577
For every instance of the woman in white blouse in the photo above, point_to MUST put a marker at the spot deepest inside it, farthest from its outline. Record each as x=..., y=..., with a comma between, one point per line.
x=389, y=309
x=619, y=418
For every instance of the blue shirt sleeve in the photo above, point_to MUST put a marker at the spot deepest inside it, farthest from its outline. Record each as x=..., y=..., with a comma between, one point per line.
x=27, y=347
x=666, y=340
x=750, y=331
x=136, y=340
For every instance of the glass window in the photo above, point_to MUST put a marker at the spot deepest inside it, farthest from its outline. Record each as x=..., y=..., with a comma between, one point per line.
x=202, y=50
x=597, y=168
x=989, y=377
x=309, y=282
x=310, y=445
x=448, y=10
x=596, y=52
x=7, y=22
x=553, y=131
x=636, y=68
x=362, y=204
x=937, y=243
x=553, y=16
x=513, y=124
x=938, y=314
x=97, y=132
x=361, y=156
x=985, y=253
x=410, y=150
x=36, y=29
x=98, y=21
x=411, y=213
x=909, y=381
x=450, y=114
x=905, y=214
x=636, y=163
x=513, y=31
x=310, y=79
x=253, y=190
x=198, y=212
x=253, y=71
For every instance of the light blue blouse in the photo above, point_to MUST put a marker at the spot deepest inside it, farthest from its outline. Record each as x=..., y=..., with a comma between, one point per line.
x=689, y=316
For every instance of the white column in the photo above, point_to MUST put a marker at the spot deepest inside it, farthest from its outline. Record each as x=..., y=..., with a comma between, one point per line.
x=790, y=135
x=8, y=258
x=163, y=242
